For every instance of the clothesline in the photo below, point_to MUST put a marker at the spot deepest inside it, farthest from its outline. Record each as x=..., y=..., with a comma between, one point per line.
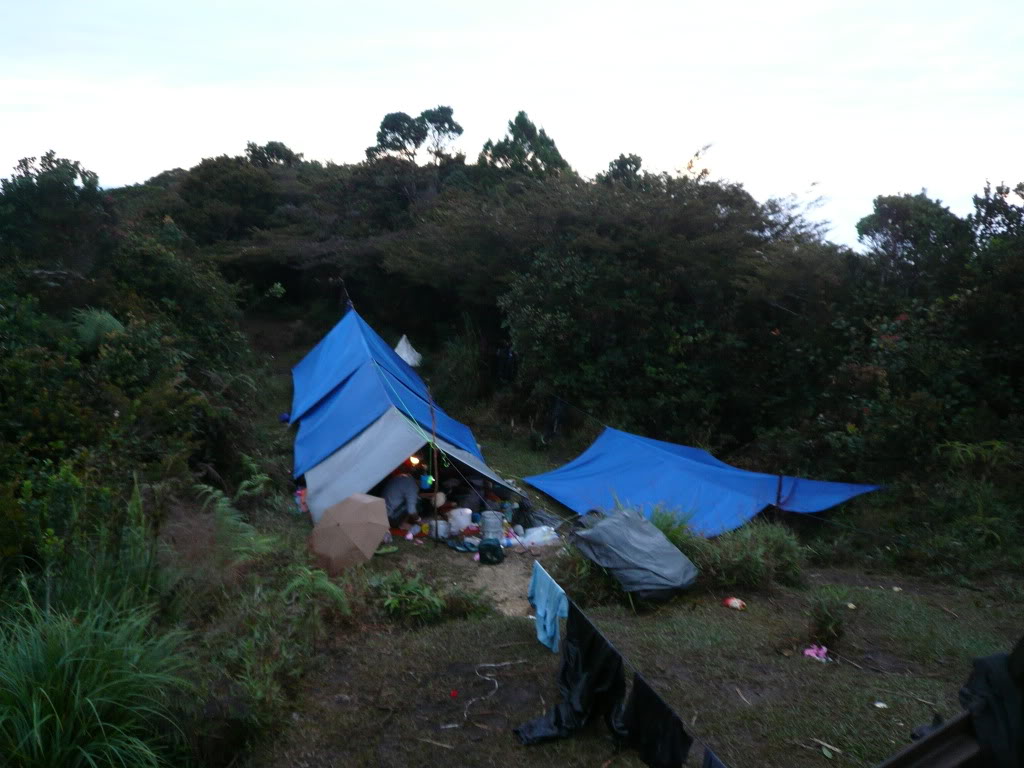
x=593, y=677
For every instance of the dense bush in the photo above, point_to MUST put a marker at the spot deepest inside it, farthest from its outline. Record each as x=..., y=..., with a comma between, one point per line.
x=955, y=527
x=122, y=373
x=758, y=555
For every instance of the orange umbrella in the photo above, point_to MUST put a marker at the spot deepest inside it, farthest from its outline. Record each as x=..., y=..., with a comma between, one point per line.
x=349, y=532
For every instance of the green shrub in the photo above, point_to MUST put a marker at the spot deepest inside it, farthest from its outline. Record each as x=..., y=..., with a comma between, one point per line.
x=86, y=549
x=237, y=536
x=93, y=326
x=408, y=599
x=964, y=526
x=587, y=583
x=261, y=645
x=84, y=690
x=827, y=610
x=315, y=593
x=834, y=549
x=754, y=556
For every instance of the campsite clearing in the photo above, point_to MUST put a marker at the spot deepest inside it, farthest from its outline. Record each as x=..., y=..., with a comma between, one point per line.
x=382, y=696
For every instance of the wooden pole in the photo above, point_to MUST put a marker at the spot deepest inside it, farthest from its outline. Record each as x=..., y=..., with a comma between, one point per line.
x=434, y=470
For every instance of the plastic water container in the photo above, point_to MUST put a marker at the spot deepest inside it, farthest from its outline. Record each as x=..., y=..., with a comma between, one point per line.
x=439, y=529
x=459, y=518
x=491, y=525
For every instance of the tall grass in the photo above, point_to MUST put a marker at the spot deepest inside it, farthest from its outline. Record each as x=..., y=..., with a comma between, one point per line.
x=87, y=689
x=754, y=556
x=586, y=582
x=86, y=679
x=113, y=565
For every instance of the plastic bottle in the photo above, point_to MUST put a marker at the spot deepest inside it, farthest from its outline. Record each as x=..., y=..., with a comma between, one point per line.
x=491, y=525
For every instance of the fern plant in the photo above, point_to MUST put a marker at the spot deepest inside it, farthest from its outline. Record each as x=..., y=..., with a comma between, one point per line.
x=309, y=589
x=256, y=484
x=408, y=599
x=236, y=534
x=92, y=326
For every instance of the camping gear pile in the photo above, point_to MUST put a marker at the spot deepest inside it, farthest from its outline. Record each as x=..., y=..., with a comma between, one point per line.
x=473, y=515
x=492, y=519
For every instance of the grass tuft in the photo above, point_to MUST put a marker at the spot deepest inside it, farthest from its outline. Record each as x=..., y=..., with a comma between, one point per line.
x=756, y=556
x=828, y=609
x=90, y=689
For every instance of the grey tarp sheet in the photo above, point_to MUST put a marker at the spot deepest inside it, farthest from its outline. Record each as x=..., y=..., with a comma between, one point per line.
x=637, y=554
x=360, y=464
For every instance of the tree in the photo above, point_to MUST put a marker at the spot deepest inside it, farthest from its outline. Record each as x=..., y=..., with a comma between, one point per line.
x=918, y=244
x=224, y=198
x=442, y=130
x=997, y=219
x=399, y=134
x=53, y=213
x=625, y=169
x=526, y=149
x=273, y=152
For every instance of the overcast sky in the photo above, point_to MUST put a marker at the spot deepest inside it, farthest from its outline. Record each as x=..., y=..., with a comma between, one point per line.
x=834, y=98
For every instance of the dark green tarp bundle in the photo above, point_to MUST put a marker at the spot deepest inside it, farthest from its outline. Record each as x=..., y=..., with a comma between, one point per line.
x=994, y=695
x=636, y=553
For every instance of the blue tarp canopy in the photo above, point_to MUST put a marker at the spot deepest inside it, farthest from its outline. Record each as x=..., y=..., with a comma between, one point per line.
x=634, y=471
x=350, y=380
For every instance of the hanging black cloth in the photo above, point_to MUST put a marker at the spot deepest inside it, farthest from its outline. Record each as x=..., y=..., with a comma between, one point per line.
x=653, y=729
x=591, y=681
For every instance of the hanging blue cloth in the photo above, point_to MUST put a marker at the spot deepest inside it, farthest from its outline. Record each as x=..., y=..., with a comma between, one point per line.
x=549, y=605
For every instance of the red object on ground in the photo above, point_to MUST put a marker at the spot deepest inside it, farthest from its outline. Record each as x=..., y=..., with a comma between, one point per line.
x=735, y=603
x=453, y=693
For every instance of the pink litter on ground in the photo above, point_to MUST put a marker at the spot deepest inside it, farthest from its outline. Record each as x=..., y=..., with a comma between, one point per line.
x=819, y=652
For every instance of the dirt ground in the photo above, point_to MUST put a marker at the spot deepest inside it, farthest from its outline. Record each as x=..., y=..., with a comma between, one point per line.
x=506, y=584
x=393, y=697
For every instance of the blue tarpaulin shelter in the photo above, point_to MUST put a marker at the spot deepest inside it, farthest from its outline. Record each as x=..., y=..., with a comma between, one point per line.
x=361, y=411
x=634, y=471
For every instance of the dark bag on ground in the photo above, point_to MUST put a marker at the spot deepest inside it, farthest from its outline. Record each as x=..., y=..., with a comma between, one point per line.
x=637, y=554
